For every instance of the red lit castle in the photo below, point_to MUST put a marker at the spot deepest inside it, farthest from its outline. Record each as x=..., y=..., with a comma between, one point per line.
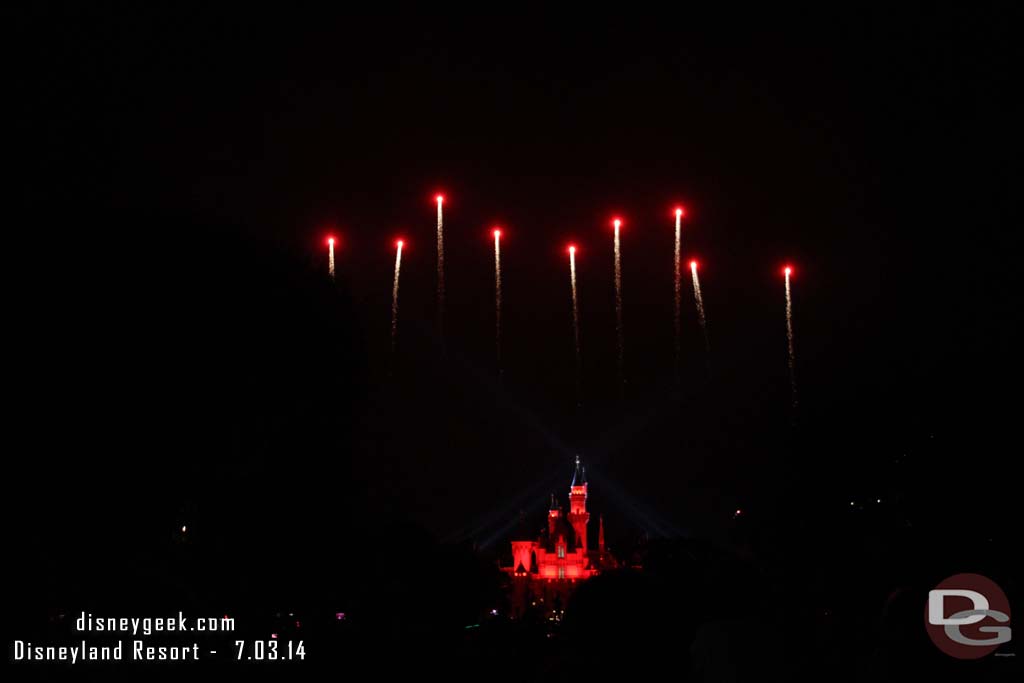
x=560, y=555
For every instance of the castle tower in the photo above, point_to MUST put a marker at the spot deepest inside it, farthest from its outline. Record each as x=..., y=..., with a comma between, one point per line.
x=578, y=515
x=553, y=514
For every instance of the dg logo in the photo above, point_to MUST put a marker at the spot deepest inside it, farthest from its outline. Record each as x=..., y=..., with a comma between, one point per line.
x=968, y=616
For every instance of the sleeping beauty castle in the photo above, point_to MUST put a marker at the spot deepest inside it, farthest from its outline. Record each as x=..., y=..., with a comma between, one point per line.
x=546, y=568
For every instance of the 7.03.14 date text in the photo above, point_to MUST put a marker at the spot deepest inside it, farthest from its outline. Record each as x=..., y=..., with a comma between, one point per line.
x=263, y=650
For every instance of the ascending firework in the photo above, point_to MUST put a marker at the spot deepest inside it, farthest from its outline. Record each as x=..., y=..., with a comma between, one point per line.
x=497, y=297
x=678, y=288
x=699, y=300
x=330, y=256
x=440, y=264
x=619, y=333
x=394, y=293
x=575, y=318
x=789, y=336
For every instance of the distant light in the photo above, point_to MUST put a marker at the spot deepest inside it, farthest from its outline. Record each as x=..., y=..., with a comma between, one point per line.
x=693, y=265
x=184, y=528
x=497, y=232
x=738, y=512
x=340, y=616
x=788, y=271
x=851, y=503
x=273, y=635
x=878, y=500
x=679, y=211
x=439, y=198
x=330, y=241
x=400, y=243
x=494, y=612
x=617, y=222
x=572, y=248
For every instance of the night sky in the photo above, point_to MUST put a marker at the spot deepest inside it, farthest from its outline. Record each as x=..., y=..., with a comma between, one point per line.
x=178, y=354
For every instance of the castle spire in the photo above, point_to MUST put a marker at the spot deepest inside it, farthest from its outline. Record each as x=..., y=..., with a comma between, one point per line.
x=579, y=475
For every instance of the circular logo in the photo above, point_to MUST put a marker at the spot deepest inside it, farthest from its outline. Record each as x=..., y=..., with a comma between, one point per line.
x=967, y=616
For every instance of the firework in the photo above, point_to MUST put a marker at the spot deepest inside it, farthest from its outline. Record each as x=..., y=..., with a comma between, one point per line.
x=497, y=297
x=440, y=263
x=787, y=271
x=330, y=256
x=699, y=300
x=619, y=333
x=575, y=318
x=394, y=293
x=678, y=289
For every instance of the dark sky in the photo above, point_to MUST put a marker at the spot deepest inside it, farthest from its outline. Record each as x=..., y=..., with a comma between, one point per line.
x=182, y=170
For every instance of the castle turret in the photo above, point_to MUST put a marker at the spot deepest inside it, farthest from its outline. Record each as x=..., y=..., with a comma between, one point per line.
x=578, y=515
x=554, y=513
